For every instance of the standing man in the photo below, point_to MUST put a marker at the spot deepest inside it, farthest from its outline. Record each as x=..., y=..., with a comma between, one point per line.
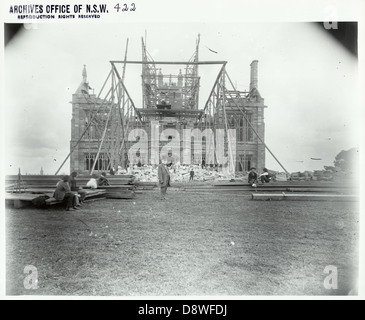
x=163, y=179
x=192, y=173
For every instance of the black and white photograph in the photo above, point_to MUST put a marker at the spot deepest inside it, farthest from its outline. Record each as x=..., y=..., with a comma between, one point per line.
x=203, y=151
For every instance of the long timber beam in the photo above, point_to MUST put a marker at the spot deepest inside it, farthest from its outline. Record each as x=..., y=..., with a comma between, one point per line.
x=169, y=62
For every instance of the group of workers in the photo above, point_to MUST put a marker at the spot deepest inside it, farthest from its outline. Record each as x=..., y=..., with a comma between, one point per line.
x=254, y=178
x=74, y=196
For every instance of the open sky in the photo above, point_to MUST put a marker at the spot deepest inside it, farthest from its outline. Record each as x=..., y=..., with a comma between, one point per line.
x=309, y=83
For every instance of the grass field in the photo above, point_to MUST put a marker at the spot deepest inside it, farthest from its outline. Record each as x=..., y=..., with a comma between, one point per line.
x=191, y=244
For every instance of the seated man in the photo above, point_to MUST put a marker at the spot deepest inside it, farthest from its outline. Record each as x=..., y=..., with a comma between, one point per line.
x=63, y=192
x=103, y=181
x=77, y=190
x=112, y=171
x=252, y=177
x=265, y=176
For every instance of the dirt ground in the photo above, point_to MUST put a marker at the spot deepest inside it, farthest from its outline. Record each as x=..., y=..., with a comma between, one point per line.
x=190, y=245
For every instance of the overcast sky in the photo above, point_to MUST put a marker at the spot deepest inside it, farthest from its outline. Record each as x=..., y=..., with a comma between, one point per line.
x=309, y=83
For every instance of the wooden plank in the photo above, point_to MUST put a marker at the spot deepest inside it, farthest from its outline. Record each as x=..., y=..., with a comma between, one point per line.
x=50, y=181
x=250, y=189
x=171, y=62
x=229, y=190
x=94, y=192
x=319, y=189
x=303, y=197
x=52, y=184
x=38, y=190
x=91, y=194
x=288, y=184
x=119, y=187
x=59, y=177
x=20, y=196
x=21, y=200
x=95, y=199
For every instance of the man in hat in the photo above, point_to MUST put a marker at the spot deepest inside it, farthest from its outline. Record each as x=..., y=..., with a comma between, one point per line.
x=252, y=177
x=63, y=192
x=163, y=179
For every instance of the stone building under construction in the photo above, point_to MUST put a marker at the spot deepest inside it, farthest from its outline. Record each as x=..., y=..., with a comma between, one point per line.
x=109, y=130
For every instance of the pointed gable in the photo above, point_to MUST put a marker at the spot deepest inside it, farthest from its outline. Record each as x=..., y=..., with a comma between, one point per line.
x=84, y=85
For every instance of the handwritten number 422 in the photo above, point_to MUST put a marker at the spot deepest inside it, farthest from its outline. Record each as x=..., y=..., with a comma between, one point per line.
x=125, y=7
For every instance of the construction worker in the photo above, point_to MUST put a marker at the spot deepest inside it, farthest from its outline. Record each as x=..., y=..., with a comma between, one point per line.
x=252, y=177
x=163, y=179
x=265, y=176
x=192, y=173
x=103, y=181
x=80, y=193
x=63, y=192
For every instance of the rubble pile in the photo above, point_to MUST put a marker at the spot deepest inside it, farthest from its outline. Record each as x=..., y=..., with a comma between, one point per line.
x=181, y=173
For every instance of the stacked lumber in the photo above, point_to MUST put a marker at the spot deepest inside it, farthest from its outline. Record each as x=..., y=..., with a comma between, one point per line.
x=24, y=199
x=317, y=191
x=121, y=187
x=304, y=197
x=50, y=181
x=91, y=194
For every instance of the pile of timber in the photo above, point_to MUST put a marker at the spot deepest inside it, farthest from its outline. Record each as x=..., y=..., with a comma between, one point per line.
x=304, y=196
x=24, y=199
x=50, y=181
x=288, y=190
x=91, y=195
x=121, y=187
